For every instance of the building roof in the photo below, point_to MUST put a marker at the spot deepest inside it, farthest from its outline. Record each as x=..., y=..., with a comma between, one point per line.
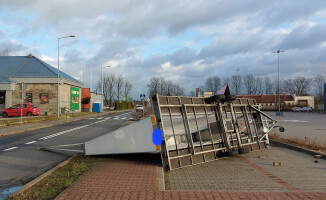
x=268, y=98
x=28, y=67
x=5, y=80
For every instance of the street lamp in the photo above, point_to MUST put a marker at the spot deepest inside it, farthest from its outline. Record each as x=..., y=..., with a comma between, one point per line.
x=59, y=74
x=102, y=86
x=237, y=78
x=278, y=82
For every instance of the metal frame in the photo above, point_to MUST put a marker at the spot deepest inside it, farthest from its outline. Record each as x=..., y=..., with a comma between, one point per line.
x=192, y=135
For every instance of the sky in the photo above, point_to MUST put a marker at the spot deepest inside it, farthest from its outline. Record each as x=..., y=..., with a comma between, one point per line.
x=183, y=41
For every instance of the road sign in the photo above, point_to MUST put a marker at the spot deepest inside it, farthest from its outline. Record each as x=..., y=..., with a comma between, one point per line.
x=148, y=100
x=142, y=97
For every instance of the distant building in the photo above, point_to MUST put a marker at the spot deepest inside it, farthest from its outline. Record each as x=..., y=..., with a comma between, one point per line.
x=270, y=101
x=40, y=85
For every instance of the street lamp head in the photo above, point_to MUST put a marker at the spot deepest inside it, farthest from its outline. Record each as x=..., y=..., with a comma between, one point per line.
x=72, y=36
x=278, y=51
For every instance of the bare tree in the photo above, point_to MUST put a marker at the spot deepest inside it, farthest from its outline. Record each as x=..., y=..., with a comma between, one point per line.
x=226, y=81
x=160, y=86
x=258, y=88
x=177, y=90
x=153, y=86
x=249, y=84
x=236, y=84
x=105, y=87
x=168, y=88
x=119, y=85
x=268, y=85
x=213, y=84
x=127, y=88
x=318, y=83
x=298, y=86
x=5, y=52
x=192, y=93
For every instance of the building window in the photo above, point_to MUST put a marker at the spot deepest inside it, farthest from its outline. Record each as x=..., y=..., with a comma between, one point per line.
x=29, y=97
x=44, y=98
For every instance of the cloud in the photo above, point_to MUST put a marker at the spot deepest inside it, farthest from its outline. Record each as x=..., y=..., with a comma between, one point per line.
x=180, y=40
x=14, y=46
x=184, y=55
x=72, y=56
x=304, y=36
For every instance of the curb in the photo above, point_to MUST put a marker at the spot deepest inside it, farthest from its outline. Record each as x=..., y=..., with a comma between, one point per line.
x=39, y=178
x=161, y=182
x=296, y=148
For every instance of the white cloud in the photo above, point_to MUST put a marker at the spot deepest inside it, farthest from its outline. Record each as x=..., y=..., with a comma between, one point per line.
x=142, y=39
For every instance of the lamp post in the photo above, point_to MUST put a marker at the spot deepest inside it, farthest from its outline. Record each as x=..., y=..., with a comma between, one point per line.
x=237, y=85
x=59, y=73
x=278, y=82
x=102, y=86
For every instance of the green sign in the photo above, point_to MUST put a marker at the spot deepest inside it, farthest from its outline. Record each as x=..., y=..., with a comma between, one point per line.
x=74, y=98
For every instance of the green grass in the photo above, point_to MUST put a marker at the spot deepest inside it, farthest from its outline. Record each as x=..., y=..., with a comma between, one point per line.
x=52, y=185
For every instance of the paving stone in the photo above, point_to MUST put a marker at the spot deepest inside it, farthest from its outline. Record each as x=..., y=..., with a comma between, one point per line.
x=241, y=177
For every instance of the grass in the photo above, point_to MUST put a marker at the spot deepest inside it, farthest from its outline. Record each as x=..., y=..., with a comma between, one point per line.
x=307, y=142
x=52, y=185
x=16, y=120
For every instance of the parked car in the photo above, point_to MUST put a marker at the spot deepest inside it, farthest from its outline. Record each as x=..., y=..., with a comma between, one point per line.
x=296, y=109
x=15, y=110
x=139, y=107
x=306, y=109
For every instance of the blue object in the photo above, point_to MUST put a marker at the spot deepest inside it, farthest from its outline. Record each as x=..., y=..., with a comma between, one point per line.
x=279, y=113
x=96, y=107
x=157, y=137
x=142, y=96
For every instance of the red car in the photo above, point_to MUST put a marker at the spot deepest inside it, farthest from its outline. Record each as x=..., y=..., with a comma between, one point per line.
x=15, y=110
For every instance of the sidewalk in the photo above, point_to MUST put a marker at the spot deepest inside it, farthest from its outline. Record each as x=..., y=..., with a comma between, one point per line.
x=20, y=128
x=137, y=177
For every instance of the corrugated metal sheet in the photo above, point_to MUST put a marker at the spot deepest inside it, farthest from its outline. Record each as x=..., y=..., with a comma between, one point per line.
x=24, y=67
x=5, y=80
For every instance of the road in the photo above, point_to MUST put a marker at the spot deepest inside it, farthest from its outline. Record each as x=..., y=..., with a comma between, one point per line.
x=299, y=124
x=21, y=161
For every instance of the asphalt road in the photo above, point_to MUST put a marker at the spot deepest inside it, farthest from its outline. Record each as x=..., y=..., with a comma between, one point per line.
x=20, y=161
x=301, y=124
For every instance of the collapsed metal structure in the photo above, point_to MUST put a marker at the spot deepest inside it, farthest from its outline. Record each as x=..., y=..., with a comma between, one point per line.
x=194, y=130
x=197, y=129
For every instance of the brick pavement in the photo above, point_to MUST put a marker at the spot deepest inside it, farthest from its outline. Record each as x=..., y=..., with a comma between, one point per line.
x=136, y=177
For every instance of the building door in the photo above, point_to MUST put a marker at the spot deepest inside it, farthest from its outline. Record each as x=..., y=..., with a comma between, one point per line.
x=2, y=99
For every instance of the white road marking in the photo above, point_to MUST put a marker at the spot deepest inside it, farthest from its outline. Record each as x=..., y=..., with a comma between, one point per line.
x=76, y=128
x=123, y=117
x=131, y=118
x=91, y=118
x=30, y=142
x=12, y=148
x=63, y=132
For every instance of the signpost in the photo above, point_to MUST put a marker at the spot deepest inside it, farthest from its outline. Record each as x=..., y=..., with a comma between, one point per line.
x=142, y=98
